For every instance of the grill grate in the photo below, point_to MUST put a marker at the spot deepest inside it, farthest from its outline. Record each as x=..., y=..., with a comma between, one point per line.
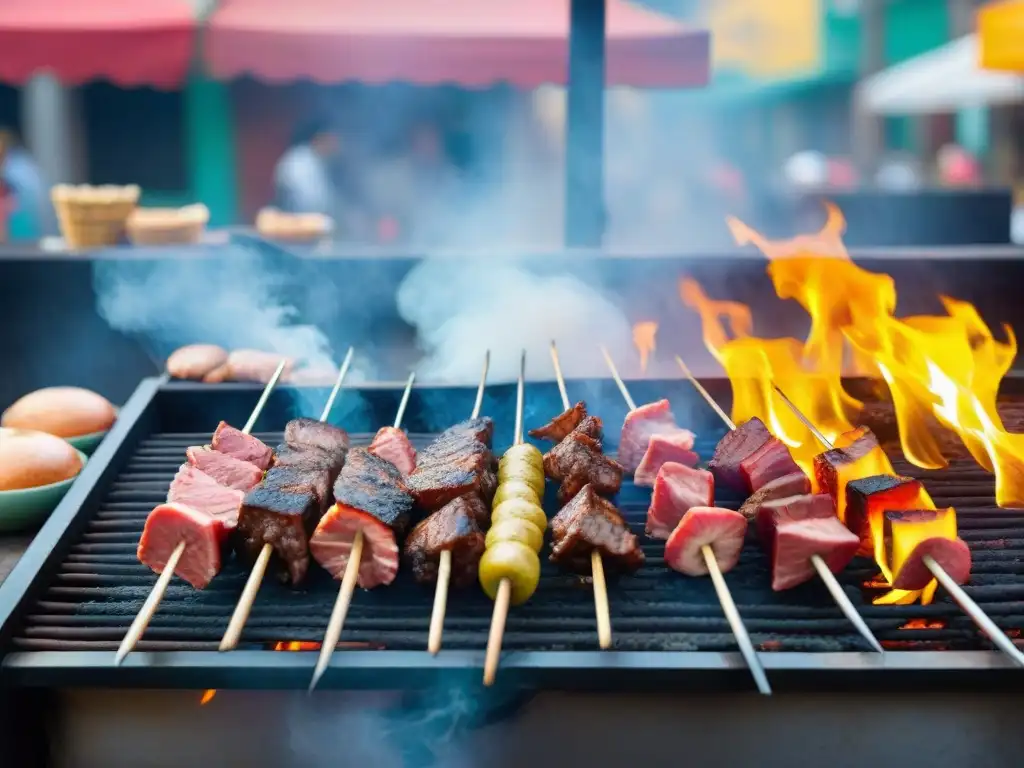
x=99, y=587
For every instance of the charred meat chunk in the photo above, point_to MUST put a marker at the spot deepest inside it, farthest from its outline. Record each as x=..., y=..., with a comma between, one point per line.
x=869, y=498
x=453, y=465
x=590, y=522
x=301, y=480
x=310, y=433
x=480, y=429
x=453, y=527
x=560, y=426
x=370, y=498
x=282, y=519
x=578, y=461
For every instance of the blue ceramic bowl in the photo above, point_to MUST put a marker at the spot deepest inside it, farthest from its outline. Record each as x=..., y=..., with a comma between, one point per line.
x=27, y=508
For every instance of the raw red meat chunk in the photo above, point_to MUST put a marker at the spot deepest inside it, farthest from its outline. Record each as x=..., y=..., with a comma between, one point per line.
x=237, y=443
x=794, y=529
x=793, y=484
x=392, y=444
x=640, y=426
x=677, y=489
x=769, y=462
x=722, y=529
x=170, y=524
x=733, y=449
x=670, y=446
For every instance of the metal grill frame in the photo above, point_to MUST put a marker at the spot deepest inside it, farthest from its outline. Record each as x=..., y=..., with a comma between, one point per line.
x=387, y=669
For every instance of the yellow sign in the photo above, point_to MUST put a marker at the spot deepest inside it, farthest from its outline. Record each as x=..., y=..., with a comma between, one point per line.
x=766, y=39
x=1001, y=35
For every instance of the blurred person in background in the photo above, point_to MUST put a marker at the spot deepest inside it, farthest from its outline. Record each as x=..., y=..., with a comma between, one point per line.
x=32, y=215
x=302, y=178
x=899, y=173
x=957, y=167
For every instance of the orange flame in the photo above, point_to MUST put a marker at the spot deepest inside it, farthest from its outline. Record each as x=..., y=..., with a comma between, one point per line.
x=753, y=365
x=296, y=645
x=940, y=370
x=207, y=697
x=643, y=338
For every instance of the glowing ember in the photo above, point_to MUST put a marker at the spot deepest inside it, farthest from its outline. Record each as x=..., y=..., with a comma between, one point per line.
x=643, y=338
x=924, y=624
x=207, y=696
x=295, y=645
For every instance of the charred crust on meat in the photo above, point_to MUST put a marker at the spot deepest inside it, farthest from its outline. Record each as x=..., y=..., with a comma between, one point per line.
x=375, y=486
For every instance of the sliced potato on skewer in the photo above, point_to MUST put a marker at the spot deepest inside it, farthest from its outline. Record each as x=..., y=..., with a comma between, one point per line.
x=515, y=489
x=514, y=561
x=521, y=509
x=515, y=529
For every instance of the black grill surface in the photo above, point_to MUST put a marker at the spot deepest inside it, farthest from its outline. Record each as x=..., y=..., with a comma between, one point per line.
x=100, y=586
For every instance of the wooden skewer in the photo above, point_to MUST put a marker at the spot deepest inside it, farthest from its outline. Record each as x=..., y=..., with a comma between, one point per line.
x=349, y=579
x=959, y=595
x=152, y=603
x=732, y=614
x=501, y=600
x=832, y=584
x=444, y=569
x=252, y=586
x=604, y=621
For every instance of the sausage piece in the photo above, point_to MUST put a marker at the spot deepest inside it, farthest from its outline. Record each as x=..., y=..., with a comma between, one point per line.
x=195, y=361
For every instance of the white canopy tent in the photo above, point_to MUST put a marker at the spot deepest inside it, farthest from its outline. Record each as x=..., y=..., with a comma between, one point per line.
x=946, y=79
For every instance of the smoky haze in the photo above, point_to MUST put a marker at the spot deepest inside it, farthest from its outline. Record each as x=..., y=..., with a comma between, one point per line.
x=238, y=300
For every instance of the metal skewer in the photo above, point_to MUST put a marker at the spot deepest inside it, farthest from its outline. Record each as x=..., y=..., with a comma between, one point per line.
x=604, y=621
x=820, y=566
x=259, y=570
x=966, y=603
x=732, y=614
x=501, y=600
x=444, y=568
x=149, y=608
x=349, y=579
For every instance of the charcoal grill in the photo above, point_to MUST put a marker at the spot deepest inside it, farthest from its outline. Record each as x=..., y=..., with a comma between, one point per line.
x=69, y=601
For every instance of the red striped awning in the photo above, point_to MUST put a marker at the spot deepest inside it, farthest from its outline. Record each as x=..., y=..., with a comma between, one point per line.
x=467, y=42
x=129, y=42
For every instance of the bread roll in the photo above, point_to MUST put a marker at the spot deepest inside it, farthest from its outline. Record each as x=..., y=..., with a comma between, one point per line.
x=30, y=459
x=61, y=411
x=196, y=361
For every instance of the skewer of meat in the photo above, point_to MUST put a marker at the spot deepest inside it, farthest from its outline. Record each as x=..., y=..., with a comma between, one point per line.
x=614, y=476
x=178, y=514
x=510, y=566
x=371, y=510
x=696, y=543
x=803, y=505
x=454, y=527
x=924, y=561
x=263, y=537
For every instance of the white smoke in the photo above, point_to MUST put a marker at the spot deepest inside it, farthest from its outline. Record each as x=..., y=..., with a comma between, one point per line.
x=461, y=309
